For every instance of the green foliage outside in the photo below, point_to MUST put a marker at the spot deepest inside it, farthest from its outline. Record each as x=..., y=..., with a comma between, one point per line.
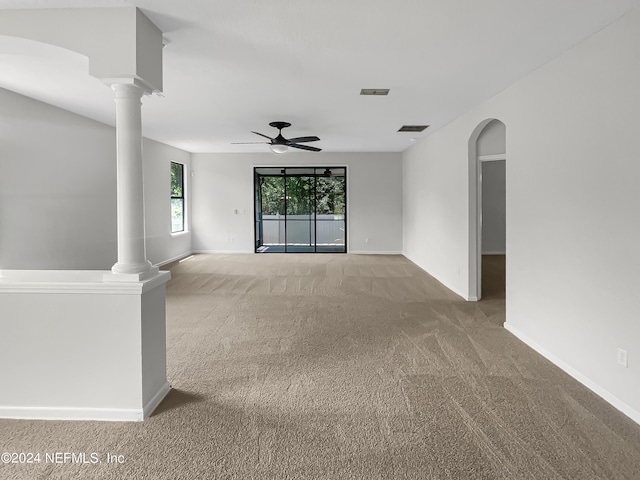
x=177, y=200
x=328, y=195
x=176, y=179
x=272, y=195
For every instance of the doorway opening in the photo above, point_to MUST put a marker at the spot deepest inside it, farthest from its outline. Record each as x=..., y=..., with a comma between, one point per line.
x=493, y=234
x=487, y=211
x=300, y=209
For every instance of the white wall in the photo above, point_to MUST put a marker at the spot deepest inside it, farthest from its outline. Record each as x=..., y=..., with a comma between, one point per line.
x=223, y=183
x=572, y=201
x=58, y=190
x=435, y=206
x=493, y=207
x=162, y=245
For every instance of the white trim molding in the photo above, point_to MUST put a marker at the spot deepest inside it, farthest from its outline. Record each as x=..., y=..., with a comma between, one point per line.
x=174, y=259
x=223, y=252
x=492, y=158
x=154, y=401
x=586, y=381
x=73, y=413
x=85, y=413
x=377, y=252
x=96, y=282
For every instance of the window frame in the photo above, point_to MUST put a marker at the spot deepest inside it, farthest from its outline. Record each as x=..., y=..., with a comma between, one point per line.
x=180, y=197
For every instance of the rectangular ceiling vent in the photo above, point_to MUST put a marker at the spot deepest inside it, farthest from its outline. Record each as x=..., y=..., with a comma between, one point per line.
x=374, y=91
x=412, y=128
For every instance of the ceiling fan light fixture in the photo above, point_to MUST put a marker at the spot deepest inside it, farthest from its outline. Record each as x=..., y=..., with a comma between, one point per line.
x=279, y=148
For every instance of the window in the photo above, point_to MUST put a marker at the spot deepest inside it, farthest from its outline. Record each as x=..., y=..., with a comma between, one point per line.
x=177, y=197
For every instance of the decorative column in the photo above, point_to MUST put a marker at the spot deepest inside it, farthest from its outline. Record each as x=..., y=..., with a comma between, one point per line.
x=132, y=258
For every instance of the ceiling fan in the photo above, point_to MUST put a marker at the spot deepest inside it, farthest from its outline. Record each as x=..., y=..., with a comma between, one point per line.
x=280, y=144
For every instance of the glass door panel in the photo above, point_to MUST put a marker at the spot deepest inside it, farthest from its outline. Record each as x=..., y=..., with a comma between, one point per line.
x=273, y=213
x=300, y=221
x=330, y=211
x=257, y=183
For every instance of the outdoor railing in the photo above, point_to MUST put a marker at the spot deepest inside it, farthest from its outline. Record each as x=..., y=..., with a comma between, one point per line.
x=329, y=229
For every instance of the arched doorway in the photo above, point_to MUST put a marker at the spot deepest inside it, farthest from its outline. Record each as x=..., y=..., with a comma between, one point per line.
x=487, y=204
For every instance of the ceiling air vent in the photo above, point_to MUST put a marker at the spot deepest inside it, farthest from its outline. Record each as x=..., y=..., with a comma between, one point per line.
x=374, y=91
x=412, y=128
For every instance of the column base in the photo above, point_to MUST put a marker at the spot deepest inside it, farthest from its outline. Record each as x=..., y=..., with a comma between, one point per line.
x=131, y=273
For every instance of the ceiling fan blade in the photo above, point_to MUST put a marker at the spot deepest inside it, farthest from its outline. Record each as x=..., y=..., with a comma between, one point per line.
x=262, y=135
x=249, y=143
x=304, y=139
x=305, y=147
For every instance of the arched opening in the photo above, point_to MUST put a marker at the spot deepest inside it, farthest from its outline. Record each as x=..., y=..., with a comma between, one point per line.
x=487, y=209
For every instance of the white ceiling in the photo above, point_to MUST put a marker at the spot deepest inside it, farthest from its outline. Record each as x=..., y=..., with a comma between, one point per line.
x=232, y=66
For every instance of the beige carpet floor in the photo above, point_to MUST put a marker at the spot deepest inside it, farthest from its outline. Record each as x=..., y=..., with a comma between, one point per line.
x=344, y=367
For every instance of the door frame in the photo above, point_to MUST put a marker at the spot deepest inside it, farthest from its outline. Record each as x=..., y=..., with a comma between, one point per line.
x=284, y=169
x=475, y=208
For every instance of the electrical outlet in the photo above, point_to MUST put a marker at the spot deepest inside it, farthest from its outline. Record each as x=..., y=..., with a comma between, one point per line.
x=366, y=240
x=622, y=357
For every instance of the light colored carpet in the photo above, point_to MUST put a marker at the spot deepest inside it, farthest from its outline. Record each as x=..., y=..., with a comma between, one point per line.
x=344, y=367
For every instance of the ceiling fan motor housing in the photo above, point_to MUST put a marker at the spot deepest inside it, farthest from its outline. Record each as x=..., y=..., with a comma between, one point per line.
x=279, y=140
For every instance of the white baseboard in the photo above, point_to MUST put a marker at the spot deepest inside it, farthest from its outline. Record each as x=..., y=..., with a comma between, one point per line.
x=224, y=252
x=502, y=252
x=586, y=381
x=71, y=413
x=368, y=252
x=354, y=252
x=174, y=259
x=153, y=403
x=83, y=413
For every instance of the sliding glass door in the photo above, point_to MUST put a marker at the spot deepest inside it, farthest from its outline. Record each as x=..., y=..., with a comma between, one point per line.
x=300, y=209
x=300, y=212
